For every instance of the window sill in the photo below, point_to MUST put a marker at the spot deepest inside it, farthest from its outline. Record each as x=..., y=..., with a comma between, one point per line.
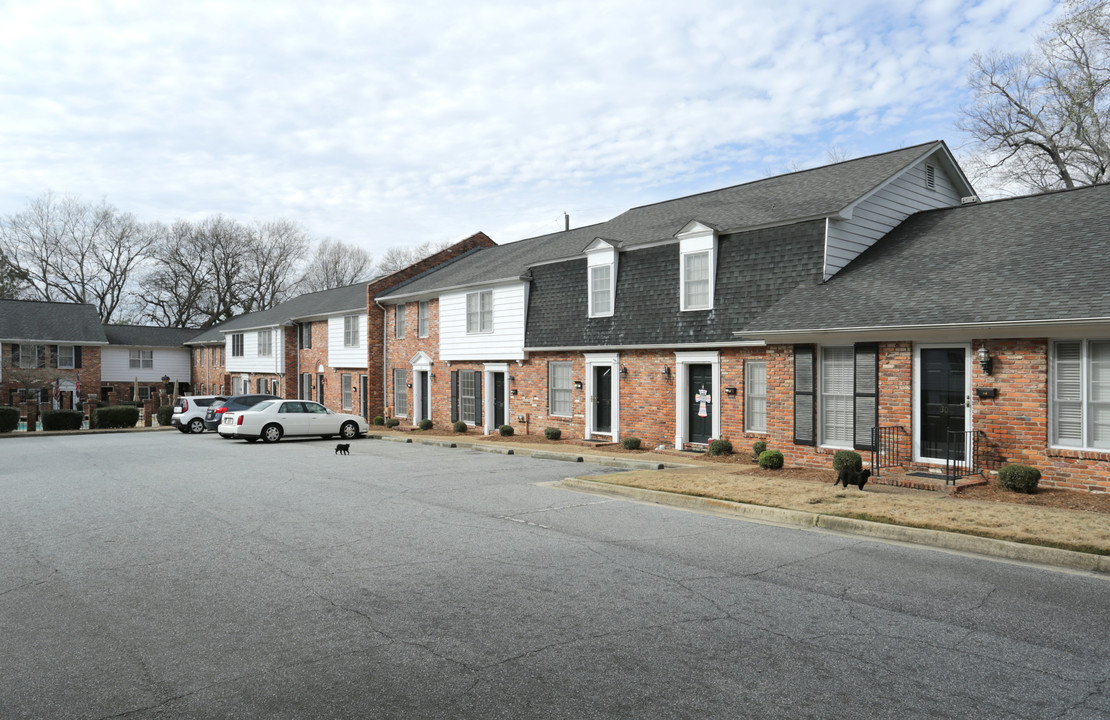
x=1078, y=453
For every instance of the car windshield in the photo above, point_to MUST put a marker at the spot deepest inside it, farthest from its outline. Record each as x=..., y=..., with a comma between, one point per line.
x=260, y=406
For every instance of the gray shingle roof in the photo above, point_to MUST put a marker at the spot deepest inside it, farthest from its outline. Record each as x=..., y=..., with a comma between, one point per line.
x=61, y=322
x=324, y=302
x=147, y=336
x=1037, y=258
x=772, y=201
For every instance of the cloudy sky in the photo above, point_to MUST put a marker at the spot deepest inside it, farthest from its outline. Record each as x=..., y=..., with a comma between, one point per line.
x=384, y=122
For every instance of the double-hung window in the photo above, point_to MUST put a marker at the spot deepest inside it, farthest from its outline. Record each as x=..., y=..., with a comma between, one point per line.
x=265, y=343
x=468, y=396
x=601, y=291
x=306, y=336
x=237, y=345
x=400, y=392
x=423, y=319
x=558, y=384
x=755, y=396
x=29, y=356
x=1081, y=394
x=65, y=357
x=347, y=397
x=350, y=331
x=836, y=400
x=399, y=321
x=140, y=359
x=479, y=312
x=697, y=286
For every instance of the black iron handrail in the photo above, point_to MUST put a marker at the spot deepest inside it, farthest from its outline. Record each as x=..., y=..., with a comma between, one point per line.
x=886, y=448
x=958, y=462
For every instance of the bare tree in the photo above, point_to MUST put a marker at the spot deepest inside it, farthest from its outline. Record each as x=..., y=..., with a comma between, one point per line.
x=396, y=258
x=1042, y=119
x=69, y=250
x=13, y=280
x=336, y=264
x=276, y=249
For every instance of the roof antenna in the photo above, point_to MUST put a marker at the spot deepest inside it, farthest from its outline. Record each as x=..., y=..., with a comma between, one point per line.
x=566, y=220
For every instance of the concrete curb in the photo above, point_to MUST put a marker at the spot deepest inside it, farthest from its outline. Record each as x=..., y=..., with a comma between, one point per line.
x=102, y=431
x=479, y=446
x=881, y=531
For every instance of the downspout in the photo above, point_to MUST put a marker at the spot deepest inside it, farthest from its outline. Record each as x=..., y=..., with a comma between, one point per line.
x=385, y=353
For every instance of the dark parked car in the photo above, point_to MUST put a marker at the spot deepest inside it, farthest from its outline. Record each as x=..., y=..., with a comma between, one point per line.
x=236, y=402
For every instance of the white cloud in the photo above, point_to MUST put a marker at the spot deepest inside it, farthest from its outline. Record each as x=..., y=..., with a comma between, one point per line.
x=398, y=122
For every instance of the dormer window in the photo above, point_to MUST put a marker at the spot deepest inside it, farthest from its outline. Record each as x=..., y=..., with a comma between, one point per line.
x=601, y=264
x=698, y=262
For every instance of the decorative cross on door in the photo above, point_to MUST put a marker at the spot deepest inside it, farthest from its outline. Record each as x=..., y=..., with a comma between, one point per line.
x=701, y=399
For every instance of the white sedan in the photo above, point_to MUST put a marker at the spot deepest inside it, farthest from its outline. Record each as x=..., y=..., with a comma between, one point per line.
x=272, y=420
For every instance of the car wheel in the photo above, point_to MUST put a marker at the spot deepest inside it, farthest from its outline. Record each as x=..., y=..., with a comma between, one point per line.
x=271, y=433
x=196, y=425
x=349, y=431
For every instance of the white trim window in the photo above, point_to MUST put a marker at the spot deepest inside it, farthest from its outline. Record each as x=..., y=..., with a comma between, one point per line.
x=559, y=399
x=140, y=359
x=306, y=335
x=399, y=321
x=601, y=291
x=755, y=396
x=837, y=402
x=237, y=345
x=479, y=312
x=350, y=331
x=400, y=392
x=423, y=318
x=468, y=396
x=1081, y=394
x=65, y=357
x=697, y=280
x=265, y=343
x=347, y=396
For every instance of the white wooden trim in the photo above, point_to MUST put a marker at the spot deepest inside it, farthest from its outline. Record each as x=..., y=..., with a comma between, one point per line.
x=488, y=369
x=594, y=360
x=681, y=379
x=915, y=422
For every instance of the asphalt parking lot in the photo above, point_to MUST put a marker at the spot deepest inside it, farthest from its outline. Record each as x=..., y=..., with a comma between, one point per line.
x=165, y=575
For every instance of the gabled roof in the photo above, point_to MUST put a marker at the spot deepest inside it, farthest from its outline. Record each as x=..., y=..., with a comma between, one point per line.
x=35, y=320
x=309, y=305
x=781, y=200
x=146, y=336
x=1040, y=258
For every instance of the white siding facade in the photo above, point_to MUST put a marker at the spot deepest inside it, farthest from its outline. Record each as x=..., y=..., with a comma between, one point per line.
x=115, y=364
x=879, y=214
x=250, y=362
x=504, y=342
x=340, y=356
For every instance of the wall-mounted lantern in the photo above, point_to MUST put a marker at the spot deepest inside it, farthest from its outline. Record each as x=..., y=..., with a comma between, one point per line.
x=512, y=392
x=666, y=371
x=577, y=384
x=985, y=360
x=624, y=371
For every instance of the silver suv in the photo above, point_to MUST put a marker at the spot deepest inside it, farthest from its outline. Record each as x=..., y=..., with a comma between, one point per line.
x=188, y=412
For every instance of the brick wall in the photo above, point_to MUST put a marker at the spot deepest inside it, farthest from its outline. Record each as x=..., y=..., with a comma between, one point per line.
x=208, y=372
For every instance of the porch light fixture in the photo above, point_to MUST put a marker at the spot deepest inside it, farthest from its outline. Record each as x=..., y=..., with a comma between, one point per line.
x=165, y=379
x=985, y=360
x=577, y=384
x=666, y=371
x=512, y=379
x=512, y=392
x=624, y=371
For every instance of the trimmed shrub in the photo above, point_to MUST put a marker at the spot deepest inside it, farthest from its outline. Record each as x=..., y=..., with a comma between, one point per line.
x=379, y=420
x=9, y=418
x=62, y=419
x=425, y=424
x=847, y=460
x=720, y=447
x=771, y=460
x=506, y=430
x=758, y=447
x=459, y=427
x=392, y=422
x=549, y=433
x=116, y=416
x=1019, y=478
x=165, y=414
x=631, y=443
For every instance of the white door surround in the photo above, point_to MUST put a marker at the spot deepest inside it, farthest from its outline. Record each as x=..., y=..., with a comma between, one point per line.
x=488, y=369
x=916, y=422
x=611, y=360
x=682, y=403
x=421, y=363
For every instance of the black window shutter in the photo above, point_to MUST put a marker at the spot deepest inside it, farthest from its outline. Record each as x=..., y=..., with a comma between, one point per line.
x=805, y=408
x=866, y=391
x=477, y=397
x=53, y=356
x=40, y=356
x=15, y=355
x=76, y=356
x=454, y=396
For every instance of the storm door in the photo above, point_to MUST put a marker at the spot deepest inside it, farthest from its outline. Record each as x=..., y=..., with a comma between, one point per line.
x=943, y=403
x=498, y=399
x=603, y=399
x=700, y=398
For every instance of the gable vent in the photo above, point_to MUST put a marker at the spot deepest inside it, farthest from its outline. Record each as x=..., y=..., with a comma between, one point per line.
x=931, y=177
